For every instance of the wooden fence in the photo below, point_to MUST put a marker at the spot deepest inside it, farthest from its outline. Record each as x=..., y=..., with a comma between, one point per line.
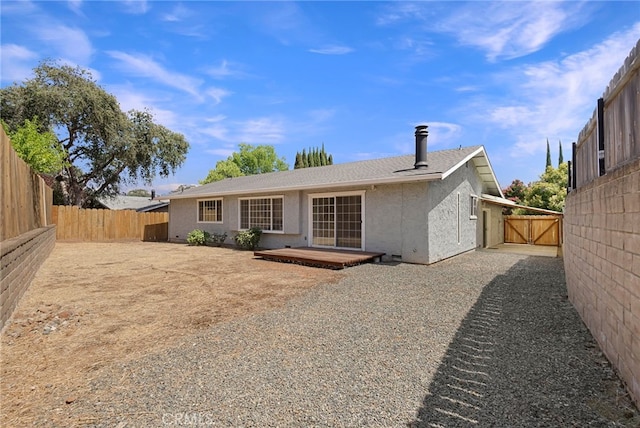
x=24, y=197
x=611, y=138
x=78, y=224
x=533, y=229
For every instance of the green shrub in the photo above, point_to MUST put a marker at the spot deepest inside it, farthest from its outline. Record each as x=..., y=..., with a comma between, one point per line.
x=198, y=237
x=217, y=239
x=248, y=239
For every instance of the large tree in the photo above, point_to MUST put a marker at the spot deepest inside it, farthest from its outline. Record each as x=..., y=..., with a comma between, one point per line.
x=104, y=147
x=249, y=160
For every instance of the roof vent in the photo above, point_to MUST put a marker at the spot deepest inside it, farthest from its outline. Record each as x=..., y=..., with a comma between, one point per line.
x=421, y=146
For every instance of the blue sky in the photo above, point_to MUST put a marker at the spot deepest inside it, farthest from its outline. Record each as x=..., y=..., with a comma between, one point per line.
x=356, y=76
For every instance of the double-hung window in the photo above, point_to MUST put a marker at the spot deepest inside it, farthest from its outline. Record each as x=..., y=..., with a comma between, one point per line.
x=210, y=211
x=473, y=202
x=263, y=213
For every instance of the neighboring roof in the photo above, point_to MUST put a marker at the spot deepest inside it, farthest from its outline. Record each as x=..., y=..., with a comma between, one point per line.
x=398, y=169
x=139, y=203
x=510, y=204
x=153, y=207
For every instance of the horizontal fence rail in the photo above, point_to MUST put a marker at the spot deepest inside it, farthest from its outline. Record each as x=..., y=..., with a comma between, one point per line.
x=77, y=224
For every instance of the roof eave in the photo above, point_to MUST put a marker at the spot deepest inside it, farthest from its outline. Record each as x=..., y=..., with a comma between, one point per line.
x=493, y=182
x=490, y=199
x=359, y=183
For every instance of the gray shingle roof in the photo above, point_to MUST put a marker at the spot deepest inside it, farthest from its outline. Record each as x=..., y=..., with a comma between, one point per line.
x=377, y=171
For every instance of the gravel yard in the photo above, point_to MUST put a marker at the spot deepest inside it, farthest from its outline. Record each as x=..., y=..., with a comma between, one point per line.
x=482, y=339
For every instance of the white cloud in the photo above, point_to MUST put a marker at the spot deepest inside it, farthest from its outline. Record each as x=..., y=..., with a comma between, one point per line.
x=178, y=14
x=130, y=99
x=136, y=7
x=69, y=43
x=263, y=130
x=400, y=11
x=75, y=5
x=17, y=62
x=332, y=50
x=217, y=118
x=501, y=29
x=145, y=66
x=555, y=99
x=225, y=153
x=217, y=131
x=226, y=69
x=443, y=133
x=507, y=30
x=218, y=94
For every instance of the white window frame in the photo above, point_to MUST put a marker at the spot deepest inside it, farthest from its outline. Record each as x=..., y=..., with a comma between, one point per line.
x=198, y=220
x=473, y=208
x=271, y=198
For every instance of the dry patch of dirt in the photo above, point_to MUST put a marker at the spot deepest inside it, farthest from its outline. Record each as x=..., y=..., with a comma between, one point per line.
x=95, y=304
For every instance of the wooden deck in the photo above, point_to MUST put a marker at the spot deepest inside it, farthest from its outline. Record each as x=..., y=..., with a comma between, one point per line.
x=321, y=257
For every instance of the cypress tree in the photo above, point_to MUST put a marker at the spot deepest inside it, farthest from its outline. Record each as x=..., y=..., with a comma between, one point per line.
x=305, y=161
x=312, y=159
x=548, y=155
x=316, y=157
x=560, y=158
x=298, y=163
x=330, y=160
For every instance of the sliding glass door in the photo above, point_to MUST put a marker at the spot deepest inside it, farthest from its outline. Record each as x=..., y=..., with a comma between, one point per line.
x=337, y=221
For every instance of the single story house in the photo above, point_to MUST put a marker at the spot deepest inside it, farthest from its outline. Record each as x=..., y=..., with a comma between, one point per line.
x=418, y=208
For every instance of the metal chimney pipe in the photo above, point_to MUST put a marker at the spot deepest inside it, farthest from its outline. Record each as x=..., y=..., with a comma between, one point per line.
x=421, y=146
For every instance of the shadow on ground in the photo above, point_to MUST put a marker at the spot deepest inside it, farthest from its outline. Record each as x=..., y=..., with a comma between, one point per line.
x=523, y=357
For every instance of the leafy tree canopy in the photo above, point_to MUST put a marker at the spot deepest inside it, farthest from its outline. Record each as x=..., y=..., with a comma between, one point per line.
x=550, y=191
x=515, y=191
x=249, y=160
x=103, y=146
x=224, y=169
x=40, y=150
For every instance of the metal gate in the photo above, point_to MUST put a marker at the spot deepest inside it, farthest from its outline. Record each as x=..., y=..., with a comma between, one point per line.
x=532, y=229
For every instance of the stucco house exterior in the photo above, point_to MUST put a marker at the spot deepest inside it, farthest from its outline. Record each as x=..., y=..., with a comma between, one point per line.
x=416, y=209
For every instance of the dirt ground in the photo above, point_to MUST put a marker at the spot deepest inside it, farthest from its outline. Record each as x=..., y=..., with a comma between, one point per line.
x=96, y=304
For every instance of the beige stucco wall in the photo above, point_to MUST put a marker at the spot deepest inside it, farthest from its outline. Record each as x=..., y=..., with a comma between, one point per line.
x=602, y=265
x=494, y=225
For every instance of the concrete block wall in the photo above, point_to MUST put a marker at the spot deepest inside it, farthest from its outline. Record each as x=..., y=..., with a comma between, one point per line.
x=602, y=265
x=20, y=259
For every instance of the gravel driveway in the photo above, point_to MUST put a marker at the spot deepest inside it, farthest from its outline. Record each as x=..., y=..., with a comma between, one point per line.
x=482, y=339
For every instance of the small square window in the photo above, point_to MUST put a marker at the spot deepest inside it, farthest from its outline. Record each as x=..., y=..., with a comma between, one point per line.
x=210, y=211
